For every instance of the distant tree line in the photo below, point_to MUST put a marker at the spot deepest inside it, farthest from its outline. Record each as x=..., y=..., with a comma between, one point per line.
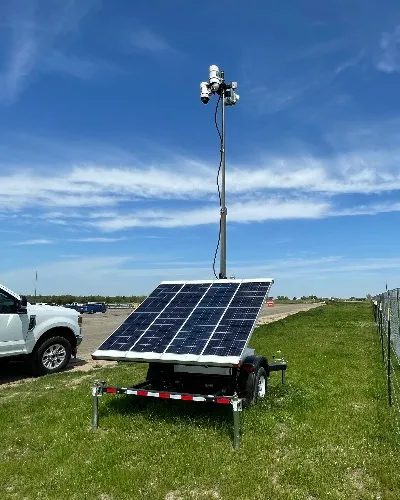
x=81, y=299
x=137, y=299
x=314, y=298
x=304, y=298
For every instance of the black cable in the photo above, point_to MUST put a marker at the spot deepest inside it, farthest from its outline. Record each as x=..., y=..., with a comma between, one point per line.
x=219, y=191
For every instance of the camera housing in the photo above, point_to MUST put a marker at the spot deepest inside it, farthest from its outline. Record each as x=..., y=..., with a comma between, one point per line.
x=205, y=92
x=215, y=78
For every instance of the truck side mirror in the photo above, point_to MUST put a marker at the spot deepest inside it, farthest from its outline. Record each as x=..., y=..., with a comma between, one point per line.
x=22, y=305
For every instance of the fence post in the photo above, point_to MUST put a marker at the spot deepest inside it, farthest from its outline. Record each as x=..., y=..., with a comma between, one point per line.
x=389, y=380
x=380, y=330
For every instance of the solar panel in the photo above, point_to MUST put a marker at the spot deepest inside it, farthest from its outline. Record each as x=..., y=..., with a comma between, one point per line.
x=201, y=322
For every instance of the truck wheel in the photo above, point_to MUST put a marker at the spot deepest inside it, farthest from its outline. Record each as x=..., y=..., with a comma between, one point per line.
x=52, y=356
x=254, y=386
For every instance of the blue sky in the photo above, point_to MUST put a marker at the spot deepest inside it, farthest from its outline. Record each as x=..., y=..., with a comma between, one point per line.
x=108, y=158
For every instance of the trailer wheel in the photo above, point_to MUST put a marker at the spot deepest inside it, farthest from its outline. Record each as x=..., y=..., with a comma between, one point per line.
x=254, y=386
x=260, y=386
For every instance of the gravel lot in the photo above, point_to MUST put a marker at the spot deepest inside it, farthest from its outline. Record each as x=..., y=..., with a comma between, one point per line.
x=97, y=327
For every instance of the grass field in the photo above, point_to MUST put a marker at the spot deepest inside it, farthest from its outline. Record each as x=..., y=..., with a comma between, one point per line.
x=326, y=434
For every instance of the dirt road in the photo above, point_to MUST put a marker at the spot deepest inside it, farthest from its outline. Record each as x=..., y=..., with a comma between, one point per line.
x=280, y=311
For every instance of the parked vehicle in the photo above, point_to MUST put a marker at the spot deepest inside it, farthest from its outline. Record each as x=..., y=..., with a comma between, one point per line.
x=89, y=307
x=94, y=307
x=44, y=336
x=76, y=307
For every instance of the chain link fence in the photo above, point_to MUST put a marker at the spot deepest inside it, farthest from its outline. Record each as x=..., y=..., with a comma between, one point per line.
x=387, y=318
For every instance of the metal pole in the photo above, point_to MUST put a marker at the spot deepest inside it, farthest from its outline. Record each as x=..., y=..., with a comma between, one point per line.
x=222, y=273
x=237, y=407
x=389, y=363
x=95, y=410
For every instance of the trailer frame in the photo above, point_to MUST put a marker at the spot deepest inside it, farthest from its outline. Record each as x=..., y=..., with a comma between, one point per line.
x=223, y=396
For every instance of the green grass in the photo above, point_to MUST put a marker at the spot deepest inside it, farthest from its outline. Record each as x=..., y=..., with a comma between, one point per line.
x=326, y=434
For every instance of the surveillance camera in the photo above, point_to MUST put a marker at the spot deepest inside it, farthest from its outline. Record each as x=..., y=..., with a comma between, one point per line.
x=205, y=92
x=215, y=78
x=231, y=98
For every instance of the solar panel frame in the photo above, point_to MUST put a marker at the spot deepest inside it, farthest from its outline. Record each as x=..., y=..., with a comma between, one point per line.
x=187, y=358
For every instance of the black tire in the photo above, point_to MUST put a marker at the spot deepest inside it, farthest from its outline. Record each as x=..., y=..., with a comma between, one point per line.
x=248, y=388
x=51, y=356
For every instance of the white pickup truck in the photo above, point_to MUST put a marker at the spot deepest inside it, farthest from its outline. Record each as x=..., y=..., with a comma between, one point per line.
x=45, y=336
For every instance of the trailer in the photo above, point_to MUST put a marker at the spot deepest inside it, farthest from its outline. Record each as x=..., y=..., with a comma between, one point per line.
x=194, y=335
x=237, y=387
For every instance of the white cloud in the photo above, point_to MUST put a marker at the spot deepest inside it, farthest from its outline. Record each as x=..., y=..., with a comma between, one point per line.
x=78, y=67
x=372, y=209
x=272, y=99
x=361, y=172
x=34, y=33
x=147, y=40
x=118, y=274
x=35, y=242
x=181, y=191
x=273, y=209
x=96, y=240
x=389, y=56
x=21, y=59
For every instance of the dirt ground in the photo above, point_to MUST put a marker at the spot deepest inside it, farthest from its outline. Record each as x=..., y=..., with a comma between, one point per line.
x=280, y=311
x=97, y=327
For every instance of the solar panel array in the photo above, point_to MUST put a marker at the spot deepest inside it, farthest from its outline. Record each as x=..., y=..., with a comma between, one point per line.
x=190, y=321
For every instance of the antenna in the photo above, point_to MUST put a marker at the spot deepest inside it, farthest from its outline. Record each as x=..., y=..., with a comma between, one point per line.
x=35, y=285
x=226, y=92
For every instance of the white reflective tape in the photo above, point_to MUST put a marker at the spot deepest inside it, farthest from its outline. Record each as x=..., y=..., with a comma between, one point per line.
x=198, y=398
x=94, y=391
x=175, y=396
x=153, y=394
x=130, y=391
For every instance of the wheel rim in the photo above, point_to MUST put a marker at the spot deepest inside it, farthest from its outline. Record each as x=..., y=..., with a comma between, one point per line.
x=261, y=387
x=54, y=356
